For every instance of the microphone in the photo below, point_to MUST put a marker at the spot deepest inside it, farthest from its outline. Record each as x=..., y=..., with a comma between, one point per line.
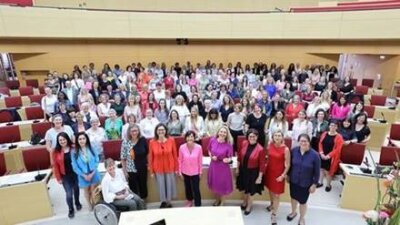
x=12, y=146
x=383, y=120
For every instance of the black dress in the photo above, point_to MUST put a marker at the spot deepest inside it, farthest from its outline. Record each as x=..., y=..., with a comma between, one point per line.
x=258, y=124
x=327, y=144
x=363, y=133
x=246, y=181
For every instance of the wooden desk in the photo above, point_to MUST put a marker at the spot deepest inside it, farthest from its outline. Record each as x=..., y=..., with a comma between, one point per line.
x=395, y=143
x=375, y=91
x=14, y=158
x=379, y=131
x=183, y=216
x=359, y=190
x=24, y=199
x=25, y=128
x=16, y=92
x=391, y=115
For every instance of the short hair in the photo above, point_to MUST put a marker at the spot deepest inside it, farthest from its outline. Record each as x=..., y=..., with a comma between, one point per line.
x=320, y=110
x=190, y=132
x=108, y=162
x=306, y=136
x=177, y=114
x=251, y=131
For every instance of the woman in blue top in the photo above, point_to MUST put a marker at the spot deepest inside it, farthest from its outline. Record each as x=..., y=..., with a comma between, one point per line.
x=85, y=160
x=303, y=176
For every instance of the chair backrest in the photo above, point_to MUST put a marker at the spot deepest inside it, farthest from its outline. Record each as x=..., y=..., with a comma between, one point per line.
x=362, y=90
x=204, y=144
x=353, y=82
x=36, y=98
x=13, y=101
x=9, y=134
x=353, y=154
x=3, y=168
x=6, y=116
x=32, y=82
x=395, y=131
x=41, y=90
x=370, y=110
x=34, y=112
x=25, y=91
x=288, y=142
x=112, y=149
x=378, y=100
x=388, y=155
x=179, y=140
x=5, y=90
x=367, y=82
x=41, y=128
x=12, y=84
x=36, y=159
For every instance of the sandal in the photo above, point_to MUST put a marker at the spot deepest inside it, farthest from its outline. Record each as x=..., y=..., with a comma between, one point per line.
x=217, y=203
x=269, y=208
x=273, y=219
x=291, y=216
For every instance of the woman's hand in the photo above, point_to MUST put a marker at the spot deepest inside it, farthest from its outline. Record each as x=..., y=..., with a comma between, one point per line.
x=226, y=160
x=259, y=179
x=87, y=177
x=280, y=178
x=312, y=188
x=214, y=158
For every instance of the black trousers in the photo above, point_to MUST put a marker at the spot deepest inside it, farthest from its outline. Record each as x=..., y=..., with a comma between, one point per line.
x=70, y=184
x=235, y=134
x=192, y=188
x=138, y=182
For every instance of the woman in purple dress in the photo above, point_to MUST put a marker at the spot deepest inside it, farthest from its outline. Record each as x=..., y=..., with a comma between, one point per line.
x=220, y=150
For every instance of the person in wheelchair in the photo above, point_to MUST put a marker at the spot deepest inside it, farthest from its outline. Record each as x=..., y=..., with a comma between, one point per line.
x=115, y=189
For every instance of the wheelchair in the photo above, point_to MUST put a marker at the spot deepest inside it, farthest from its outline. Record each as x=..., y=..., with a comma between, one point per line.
x=105, y=213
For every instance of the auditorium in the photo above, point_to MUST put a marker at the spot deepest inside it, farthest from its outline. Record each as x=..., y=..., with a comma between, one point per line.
x=200, y=112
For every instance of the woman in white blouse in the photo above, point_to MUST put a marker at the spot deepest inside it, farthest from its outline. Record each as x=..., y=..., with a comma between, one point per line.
x=77, y=82
x=84, y=96
x=213, y=122
x=103, y=108
x=133, y=107
x=48, y=103
x=278, y=122
x=148, y=124
x=195, y=123
x=181, y=108
x=131, y=121
x=315, y=105
x=300, y=126
x=96, y=136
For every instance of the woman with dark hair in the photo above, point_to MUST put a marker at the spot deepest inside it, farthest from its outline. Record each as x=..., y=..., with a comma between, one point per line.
x=340, y=110
x=347, y=132
x=80, y=125
x=357, y=109
x=190, y=168
x=85, y=161
x=64, y=173
x=179, y=91
x=347, y=89
x=95, y=91
x=61, y=99
x=330, y=148
x=320, y=125
x=175, y=126
x=276, y=171
x=235, y=122
x=362, y=131
x=257, y=120
x=250, y=169
x=213, y=122
x=118, y=105
x=134, y=151
x=196, y=102
x=161, y=113
x=303, y=177
x=163, y=164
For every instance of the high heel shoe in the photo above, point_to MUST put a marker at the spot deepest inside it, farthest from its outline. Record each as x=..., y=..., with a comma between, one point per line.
x=269, y=208
x=290, y=217
x=247, y=212
x=243, y=207
x=216, y=203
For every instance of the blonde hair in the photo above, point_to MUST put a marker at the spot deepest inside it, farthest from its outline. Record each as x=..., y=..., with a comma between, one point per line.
x=229, y=138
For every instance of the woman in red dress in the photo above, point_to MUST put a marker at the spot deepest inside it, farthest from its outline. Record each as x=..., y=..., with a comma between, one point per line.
x=277, y=167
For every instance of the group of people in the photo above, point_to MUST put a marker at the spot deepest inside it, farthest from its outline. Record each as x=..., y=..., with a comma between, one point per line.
x=147, y=107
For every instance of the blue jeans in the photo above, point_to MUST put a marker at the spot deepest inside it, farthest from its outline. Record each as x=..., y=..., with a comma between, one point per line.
x=70, y=184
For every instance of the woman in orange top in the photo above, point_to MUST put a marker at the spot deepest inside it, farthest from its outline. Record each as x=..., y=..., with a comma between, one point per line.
x=163, y=163
x=330, y=148
x=293, y=108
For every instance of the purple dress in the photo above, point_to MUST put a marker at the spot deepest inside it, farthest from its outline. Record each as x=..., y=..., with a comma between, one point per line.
x=219, y=173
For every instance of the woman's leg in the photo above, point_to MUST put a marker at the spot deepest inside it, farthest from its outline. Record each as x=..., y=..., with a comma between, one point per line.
x=132, y=182
x=321, y=177
x=195, y=181
x=303, y=210
x=249, y=203
x=76, y=194
x=161, y=187
x=142, y=182
x=68, y=187
x=294, y=204
x=275, y=206
x=188, y=187
x=170, y=185
x=86, y=192
x=271, y=199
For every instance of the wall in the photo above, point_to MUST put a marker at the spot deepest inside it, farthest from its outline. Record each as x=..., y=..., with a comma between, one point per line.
x=18, y=22
x=183, y=5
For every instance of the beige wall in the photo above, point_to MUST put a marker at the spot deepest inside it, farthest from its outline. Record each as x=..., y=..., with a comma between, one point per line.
x=185, y=5
x=57, y=23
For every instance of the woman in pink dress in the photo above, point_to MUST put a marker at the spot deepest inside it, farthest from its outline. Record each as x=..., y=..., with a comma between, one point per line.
x=277, y=167
x=220, y=150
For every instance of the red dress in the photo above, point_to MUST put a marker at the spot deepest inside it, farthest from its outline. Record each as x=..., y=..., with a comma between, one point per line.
x=275, y=168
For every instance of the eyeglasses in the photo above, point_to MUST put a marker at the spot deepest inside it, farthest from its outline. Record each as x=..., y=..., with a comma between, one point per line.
x=134, y=131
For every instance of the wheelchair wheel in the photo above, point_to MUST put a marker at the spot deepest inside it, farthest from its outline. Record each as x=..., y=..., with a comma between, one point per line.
x=105, y=214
